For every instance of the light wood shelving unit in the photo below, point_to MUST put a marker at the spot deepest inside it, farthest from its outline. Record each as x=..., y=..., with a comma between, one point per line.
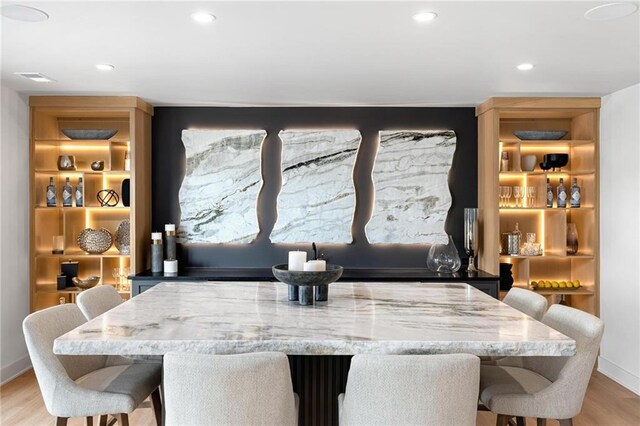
x=49, y=116
x=498, y=118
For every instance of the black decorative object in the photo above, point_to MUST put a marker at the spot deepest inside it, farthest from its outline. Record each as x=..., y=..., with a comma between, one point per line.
x=556, y=160
x=307, y=280
x=61, y=282
x=506, y=277
x=70, y=270
x=108, y=198
x=126, y=192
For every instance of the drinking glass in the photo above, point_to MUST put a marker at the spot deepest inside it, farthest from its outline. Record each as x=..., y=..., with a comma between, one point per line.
x=116, y=275
x=531, y=196
x=507, y=196
x=502, y=194
x=517, y=194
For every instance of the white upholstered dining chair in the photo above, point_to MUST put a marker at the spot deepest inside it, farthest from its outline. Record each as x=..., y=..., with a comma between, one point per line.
x=83, y=385
x=244, y=389
x=526, y=301
x=98, y=300
x=411, y=390
x=545, y=387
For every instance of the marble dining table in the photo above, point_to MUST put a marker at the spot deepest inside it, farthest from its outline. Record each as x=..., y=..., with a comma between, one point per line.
x=358, y=318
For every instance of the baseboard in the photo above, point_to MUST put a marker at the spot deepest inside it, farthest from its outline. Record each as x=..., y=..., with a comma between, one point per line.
x=14, y=369
x=619, y=375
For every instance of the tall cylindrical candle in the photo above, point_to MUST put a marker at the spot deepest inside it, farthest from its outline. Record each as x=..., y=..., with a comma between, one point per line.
x=156, y=252
x=297, y=260
x=170, y=236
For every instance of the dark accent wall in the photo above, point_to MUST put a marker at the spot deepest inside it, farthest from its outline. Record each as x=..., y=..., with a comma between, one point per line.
x=168, y=167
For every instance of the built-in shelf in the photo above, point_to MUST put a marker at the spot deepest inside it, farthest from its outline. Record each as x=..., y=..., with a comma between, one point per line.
x=560, y=142
x=517, y=173
x=545, y=209
x=547, y=257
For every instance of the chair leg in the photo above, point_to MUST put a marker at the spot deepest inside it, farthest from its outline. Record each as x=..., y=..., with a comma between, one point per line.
x=503, y=420
x=61, y=421
x=88, y=421
x=123, y=419
x=103, y=420
x=157, y=406
x=541, y=422
x=520, y=421
x=566, y=422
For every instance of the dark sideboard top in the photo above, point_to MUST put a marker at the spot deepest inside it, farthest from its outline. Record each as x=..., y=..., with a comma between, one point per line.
x=349, y=274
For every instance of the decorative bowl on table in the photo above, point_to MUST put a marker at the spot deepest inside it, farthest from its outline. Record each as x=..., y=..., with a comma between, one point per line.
x=540, y=135
x=85, y=283
x=89, y=134
x=307, y=278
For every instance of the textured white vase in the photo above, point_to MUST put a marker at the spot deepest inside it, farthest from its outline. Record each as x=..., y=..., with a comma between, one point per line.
x=528, y=163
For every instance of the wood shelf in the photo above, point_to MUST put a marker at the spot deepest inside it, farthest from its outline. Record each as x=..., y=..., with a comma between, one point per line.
x=131, y=117
x=498, y=118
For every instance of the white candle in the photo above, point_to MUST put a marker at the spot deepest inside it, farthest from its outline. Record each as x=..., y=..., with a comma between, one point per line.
x=315, y=265
x=296, y=260
x=170, y=227
x=171, y=266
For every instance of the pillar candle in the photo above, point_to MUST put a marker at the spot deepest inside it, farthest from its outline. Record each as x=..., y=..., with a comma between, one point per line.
x=297, y=260
x=170, y=236
x=315, y=265
x=171, y=266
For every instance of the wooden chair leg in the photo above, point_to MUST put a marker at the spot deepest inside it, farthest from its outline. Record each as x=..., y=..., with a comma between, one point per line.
x=541, y=422
x=157, y=406
x=61, y=421
x=566, y=422
x=503, y=420
x=103, y=420
x=123, y=419
x=520, y=421
x=88, y=421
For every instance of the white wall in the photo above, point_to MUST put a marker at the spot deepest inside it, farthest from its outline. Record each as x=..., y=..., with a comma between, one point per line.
x=620, y=236
x=14, y=232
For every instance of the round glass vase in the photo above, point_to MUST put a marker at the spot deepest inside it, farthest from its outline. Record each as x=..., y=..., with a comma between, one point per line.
x=444, y=258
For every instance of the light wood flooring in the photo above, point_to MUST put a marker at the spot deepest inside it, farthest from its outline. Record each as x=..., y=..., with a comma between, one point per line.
x=606, y=404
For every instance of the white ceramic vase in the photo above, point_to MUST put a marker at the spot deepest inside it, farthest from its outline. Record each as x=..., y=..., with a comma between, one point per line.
x=528, y=162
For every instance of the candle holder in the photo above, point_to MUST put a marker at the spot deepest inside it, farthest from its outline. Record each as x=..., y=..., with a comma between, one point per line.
x=471, y=236
x=308, y=282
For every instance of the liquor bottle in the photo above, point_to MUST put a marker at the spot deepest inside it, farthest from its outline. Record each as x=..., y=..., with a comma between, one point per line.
x=52, y=194
x=549, y=194
x=67, y=194
x=562, y=195
x=79, y=194
x=575, y=194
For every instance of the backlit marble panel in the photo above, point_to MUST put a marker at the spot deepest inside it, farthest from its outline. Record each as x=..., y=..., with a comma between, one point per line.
x=412, y=197
x=317, y=199
x=220, y=189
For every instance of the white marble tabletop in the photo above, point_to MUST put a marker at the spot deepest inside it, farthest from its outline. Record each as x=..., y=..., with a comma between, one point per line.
x=382, y=318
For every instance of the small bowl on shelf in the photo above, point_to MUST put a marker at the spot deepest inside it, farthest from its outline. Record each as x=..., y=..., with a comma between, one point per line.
x=307, y=278
x=86, y=283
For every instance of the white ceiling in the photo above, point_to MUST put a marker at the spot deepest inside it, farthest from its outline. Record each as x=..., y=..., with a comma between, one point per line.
x=321, y=53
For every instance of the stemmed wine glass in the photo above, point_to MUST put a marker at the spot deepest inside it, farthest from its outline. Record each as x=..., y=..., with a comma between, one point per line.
x=531, y=196
x=518, y=194
x=507, y=196
x=116, y=276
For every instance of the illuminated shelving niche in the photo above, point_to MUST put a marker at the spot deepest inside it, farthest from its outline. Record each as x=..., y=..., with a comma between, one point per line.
x=498, y=118
x=49, y=116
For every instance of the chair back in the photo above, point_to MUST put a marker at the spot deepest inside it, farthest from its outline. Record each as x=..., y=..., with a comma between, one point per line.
x=245, y=389
x=570, y=375
x=56, y=372
x=98, y=300
x=411, y=390
x=526, y=301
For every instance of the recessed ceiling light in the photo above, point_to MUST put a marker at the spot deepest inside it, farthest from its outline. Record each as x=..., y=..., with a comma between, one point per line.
x=203, y=17
x=23, y=13
x=35, y=76
x=608, y=11
x=425, y=16
x=105, y=67
x=525, y=67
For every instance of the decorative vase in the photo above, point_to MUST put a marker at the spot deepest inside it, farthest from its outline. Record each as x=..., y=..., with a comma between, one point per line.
x=528, y=162
x=444, y=258
x=66, y=162
x=506, y=276
x=572, y=239
x=122, y=238
x=94, y=241
x=97, y=165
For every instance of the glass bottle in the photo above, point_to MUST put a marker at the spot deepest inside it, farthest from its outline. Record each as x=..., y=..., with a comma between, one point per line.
x=572, y=239
x=549, y=194
x=575, y=194
x=518, y=235
x=52, y=194
x=79, y=193
x=127, y=161
x=67, y=194
x=504, y=166
x=444, y=258
x=562, y=195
